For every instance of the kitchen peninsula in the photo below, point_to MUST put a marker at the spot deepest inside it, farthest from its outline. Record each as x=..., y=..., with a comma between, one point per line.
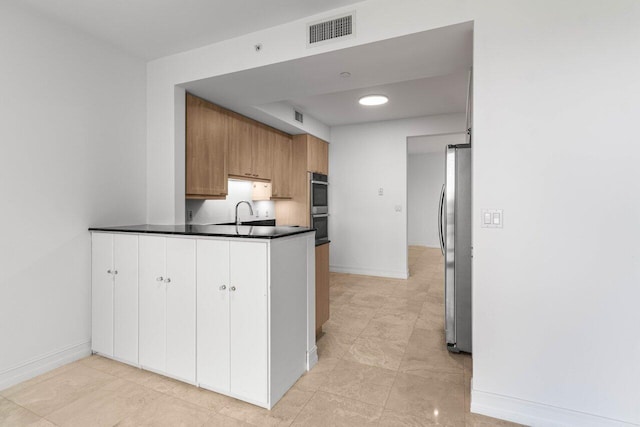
x=228, y=308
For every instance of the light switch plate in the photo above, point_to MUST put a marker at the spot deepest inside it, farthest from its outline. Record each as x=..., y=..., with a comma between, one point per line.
x=491, y=218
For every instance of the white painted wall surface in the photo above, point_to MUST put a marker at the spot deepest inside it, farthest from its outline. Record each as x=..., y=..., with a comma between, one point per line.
x=221, y=211
x=556, y=290
x=368, y=236
x=72, y=155
x=425, y=177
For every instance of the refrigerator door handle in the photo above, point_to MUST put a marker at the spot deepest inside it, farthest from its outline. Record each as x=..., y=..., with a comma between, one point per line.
x=440, y=217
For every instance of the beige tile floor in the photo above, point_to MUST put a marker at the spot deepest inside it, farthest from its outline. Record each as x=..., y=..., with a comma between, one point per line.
x=382, y=362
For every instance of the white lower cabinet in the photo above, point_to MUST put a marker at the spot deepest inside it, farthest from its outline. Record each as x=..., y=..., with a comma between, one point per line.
x=232, y=318
x=228, y=314
x=114, y=286
x=168, y=306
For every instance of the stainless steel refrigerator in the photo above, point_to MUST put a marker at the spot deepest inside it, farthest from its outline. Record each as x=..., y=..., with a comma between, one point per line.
x=455, y=242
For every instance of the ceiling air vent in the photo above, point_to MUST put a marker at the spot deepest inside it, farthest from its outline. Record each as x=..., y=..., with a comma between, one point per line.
x=299, y=116
x=335, y=28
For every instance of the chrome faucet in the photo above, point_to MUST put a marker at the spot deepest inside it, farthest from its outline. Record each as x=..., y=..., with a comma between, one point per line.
x=238, y=222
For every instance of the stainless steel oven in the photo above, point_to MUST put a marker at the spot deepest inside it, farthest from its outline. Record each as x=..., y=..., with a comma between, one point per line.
x=319, y=195
x=321, y=223
x=319, y=190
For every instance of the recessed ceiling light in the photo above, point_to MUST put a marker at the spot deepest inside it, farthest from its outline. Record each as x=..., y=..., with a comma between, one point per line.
x=373, y=100
x=345, y=74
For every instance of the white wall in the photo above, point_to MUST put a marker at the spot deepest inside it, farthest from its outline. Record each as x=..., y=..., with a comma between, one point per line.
x=425, y=177
x=368, y=235
x=72, y=155
x=555, y=290
x=221, y=211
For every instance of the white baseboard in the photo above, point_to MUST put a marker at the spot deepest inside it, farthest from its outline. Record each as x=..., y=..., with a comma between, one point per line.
x=312, y=358
x=42, y=364
x=536, y=414
x=369, y=272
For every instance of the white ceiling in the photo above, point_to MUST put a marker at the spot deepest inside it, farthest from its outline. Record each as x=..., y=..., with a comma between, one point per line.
x=423, y=74
x=433, y=143
x=412, y=98
x=155, y=28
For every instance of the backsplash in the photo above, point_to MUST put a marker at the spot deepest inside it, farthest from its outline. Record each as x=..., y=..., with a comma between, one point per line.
x=221, y=211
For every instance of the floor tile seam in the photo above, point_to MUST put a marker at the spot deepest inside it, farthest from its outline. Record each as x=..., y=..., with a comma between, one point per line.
x=2, y=392
x=351, y=399
x=304, y=406
x=404, y=351
x=129, y=412
x=64, y=406
x=26, y=409
x=49, y=421
x=384, y=405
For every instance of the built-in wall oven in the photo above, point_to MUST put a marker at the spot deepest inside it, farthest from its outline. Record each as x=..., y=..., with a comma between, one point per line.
x=319, y=195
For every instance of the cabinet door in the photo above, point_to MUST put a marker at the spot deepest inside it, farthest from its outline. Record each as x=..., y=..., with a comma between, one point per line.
x=322, y=285
x=282, y=164
x=102, y=293
x=249, y=322
x=240, y=155
x=317, y=155
x=181, y=308
x=261, y=151
x=152, y=302
x=213, y=314
x=125, y=321
x=207, y=134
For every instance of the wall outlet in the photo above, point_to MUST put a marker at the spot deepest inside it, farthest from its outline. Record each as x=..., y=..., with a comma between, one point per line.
x=380, y=191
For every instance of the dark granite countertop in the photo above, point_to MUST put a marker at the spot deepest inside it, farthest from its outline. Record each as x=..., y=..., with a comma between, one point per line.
x=244, y=231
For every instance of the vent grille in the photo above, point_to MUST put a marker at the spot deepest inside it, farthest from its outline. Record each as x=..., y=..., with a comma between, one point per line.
x=299, y=116
x=332, y=29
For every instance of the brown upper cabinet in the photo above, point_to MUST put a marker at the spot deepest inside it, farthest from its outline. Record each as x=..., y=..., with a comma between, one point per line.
x=282, y=164
x=317, y=155
x=222, y=144
x=207, y=139
x=249, y=148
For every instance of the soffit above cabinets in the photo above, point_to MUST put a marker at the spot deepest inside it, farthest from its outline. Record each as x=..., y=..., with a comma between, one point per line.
x=422, y=73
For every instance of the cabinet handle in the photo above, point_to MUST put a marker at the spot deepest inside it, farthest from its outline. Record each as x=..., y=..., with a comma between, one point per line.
x=109, y=271
x=115, y=271
x=255, y=174
x=233, y=288
x=159, y=279
x=167, y=280
x=247, y=174
x=223, y=287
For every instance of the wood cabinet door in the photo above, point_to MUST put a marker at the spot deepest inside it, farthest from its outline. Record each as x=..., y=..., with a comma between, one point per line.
x=125, y=318
x=240, y=143
x=322, y=285
x=181, y=308
x=102, y=293
x=317, y=155
x=281, y=175
x=249, y=321
x=212, y=280
x=207, y=136
x=261, y=151
x=152, y=316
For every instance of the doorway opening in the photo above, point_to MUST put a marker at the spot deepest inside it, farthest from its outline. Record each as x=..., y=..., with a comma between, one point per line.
x=426, y=156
